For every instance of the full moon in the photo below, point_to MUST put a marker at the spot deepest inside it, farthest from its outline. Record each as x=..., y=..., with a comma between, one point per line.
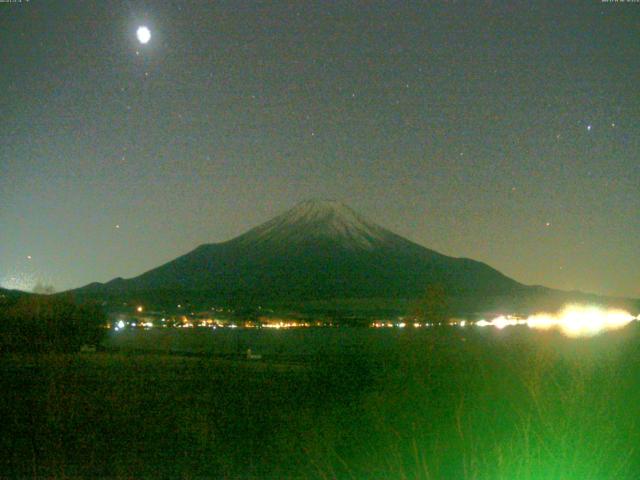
x=144, y=35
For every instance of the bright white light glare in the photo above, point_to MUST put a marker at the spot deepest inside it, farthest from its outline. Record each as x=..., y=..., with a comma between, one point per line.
x=120, y=325
x=572, y=321
x=143, y=34
x=501, y=322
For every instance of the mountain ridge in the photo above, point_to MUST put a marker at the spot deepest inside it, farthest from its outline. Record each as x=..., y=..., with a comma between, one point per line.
x=318, y=250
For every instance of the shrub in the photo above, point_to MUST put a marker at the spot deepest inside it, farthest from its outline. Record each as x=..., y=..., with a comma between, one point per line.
x=49, y=324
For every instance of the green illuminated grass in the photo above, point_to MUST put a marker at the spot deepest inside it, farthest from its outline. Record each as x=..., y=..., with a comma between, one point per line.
x=447, y=404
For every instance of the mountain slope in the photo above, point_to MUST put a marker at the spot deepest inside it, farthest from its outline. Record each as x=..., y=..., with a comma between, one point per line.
x=317, y=250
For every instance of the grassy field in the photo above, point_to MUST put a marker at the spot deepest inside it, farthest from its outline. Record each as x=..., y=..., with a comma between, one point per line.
x=448, y=404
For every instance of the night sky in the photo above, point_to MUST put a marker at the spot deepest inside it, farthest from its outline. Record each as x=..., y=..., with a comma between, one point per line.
x=507, y=132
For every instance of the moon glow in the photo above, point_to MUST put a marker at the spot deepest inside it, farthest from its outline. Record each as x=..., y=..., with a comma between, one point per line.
x=143, y=34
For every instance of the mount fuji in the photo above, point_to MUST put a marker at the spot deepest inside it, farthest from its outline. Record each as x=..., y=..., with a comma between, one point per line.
x=318, y=250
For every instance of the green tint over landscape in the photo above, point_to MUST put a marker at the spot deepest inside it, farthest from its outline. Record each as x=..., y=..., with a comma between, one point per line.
x=444, y=403
x=284, y=239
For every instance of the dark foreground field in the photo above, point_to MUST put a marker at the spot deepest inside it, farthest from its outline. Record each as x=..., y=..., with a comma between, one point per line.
x=444, y=404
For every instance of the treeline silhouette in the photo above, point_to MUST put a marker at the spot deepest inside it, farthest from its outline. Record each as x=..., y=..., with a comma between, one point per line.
x=41, y=323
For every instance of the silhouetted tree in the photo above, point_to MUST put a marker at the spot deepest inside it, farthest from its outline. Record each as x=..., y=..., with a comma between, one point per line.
x=43, y=289
x=50, y=324
x=433, y=306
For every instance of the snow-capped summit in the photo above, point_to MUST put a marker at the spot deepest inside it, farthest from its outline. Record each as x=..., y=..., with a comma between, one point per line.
x=314, y=220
